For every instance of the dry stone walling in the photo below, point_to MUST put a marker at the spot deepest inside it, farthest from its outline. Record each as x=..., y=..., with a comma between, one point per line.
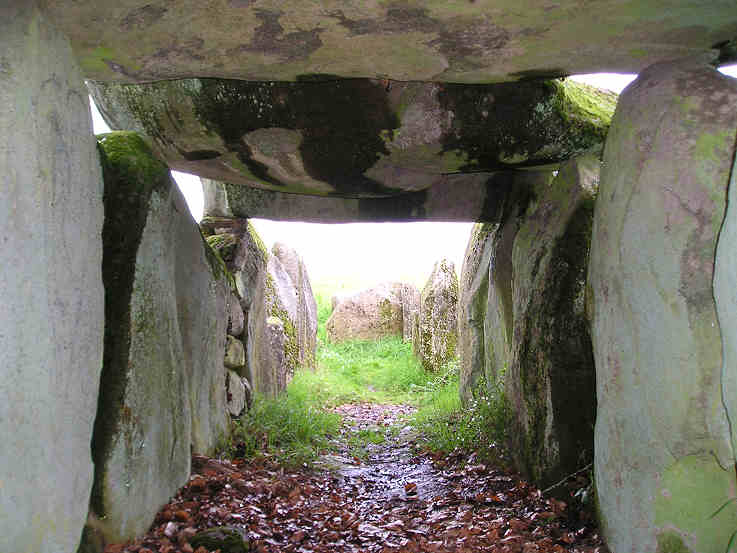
x=522, y=319
x=385, y=310
x=276, y=302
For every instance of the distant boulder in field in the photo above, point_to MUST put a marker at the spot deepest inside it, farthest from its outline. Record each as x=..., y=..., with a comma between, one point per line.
x=384, y=310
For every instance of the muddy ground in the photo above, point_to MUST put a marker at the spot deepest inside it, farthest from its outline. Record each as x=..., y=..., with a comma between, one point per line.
x=386, y=497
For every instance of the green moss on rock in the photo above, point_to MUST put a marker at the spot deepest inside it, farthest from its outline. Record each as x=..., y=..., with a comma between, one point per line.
x=275, y=309
x=217, y=265
x=257, y=240
x=227, y=539
x=586, y=109
x=224, y=244
x=670, y=542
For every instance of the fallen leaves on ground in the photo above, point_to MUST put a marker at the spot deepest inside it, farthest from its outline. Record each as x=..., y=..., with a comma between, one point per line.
x=477, y=509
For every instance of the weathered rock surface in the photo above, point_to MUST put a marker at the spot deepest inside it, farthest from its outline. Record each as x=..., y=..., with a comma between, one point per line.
x=371, y=314
x=235, y=354
x=237, y=393
x=664, y=454
x=410, y=297
x=273, y=348
x=381, y=143
x=472, y=307
x=550, y=382
x=455, y=197
x=271, y=286
x=437, y=324
x=52, y=314
x=430, y=41
x=162, y=391
x=522, y=321
x=306, y=316
x=236, y=317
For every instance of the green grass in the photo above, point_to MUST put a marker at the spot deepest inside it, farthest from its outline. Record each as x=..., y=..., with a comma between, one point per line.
x=447, y=425
x=292, y=427
x=296, y=427
x=359, y=442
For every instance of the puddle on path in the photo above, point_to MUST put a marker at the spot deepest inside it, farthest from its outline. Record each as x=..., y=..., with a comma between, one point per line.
x=391, y=472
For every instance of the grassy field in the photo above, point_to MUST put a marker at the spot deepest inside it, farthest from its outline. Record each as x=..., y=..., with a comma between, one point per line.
x=296, y=426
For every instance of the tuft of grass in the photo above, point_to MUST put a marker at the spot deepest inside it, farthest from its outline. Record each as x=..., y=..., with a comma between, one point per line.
x=292, y=427
x=447, y=425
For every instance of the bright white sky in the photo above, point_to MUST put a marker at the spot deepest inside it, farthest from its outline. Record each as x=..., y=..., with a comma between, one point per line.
x=351, y=256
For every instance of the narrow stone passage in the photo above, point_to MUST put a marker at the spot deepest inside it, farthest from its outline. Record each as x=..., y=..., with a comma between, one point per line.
x=391, y=500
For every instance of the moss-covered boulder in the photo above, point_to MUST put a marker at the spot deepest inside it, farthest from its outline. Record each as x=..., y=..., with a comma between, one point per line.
x=162, y=391
x=226, y=539
x=306, y=308
x=436, y=332
x=272, y=135
x=663, y=313
x=371, y=314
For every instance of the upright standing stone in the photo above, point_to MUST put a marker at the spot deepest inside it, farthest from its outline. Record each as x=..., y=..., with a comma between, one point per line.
x=272, y=347
x=550, y=381
x=163, y=389
x=664, y=459
x=410, y=297
x=472, y=306
x=51, y=295
x=438, y=323
x=306, y=318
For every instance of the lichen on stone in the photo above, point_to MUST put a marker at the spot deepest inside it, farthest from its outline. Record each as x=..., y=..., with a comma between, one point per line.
x=218, y=266
x=275, y=309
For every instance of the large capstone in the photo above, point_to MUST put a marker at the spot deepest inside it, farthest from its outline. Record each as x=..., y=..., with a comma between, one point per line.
x=379, y=312
x=51, y=293
x=163, y=389
x=454, y=197
x=664, y=455
x=354, y=138
x=436, y=329
x=470, y=41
